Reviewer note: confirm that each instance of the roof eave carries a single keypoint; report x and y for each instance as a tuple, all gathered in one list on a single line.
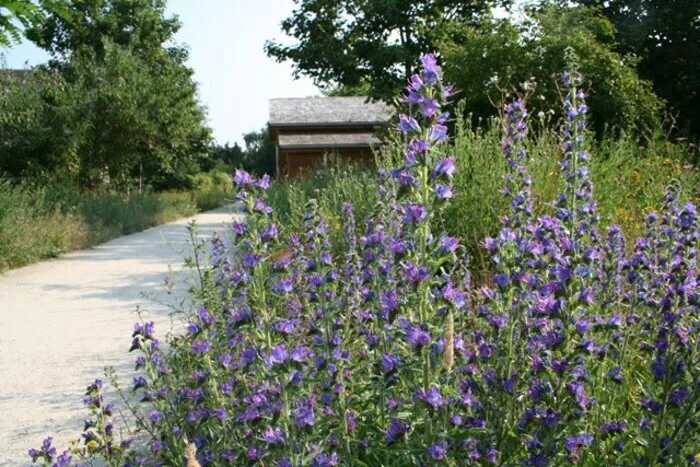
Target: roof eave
[(331, 146), (327, 124)]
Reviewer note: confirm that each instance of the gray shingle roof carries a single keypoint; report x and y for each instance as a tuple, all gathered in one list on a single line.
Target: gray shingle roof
[(328, 140), (327, 110)]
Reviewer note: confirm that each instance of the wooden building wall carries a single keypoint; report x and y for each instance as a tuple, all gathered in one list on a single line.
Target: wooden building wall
[(295, 162)]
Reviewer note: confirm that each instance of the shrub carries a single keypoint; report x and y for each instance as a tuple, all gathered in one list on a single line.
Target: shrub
[(43, 222), (575, 350)]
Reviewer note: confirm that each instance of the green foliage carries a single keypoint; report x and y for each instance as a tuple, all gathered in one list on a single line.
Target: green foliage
[(630, 181), (484, 60), (42, 221), (231, 156), (24, 12), (116, 107), (665, 35), (258, 155), (88, 26), (350, 42), (113, 121), (259, 152), (210, 189), (145, 121), (330, 187)]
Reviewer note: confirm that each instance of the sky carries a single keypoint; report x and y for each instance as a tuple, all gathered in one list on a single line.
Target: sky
[(236, 79)]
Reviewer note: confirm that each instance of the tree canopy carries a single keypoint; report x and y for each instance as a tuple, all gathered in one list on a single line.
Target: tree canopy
[(116, 104), (487, 60), (344, 43), (87, 26), (665, 37)]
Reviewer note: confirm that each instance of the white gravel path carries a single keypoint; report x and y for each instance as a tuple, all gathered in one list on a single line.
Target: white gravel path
[(62, 320)]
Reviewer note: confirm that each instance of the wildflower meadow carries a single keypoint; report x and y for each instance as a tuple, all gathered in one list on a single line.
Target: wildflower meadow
[(378, 349)]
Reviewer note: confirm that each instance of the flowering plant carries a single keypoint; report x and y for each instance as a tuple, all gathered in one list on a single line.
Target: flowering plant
[(577, 350)]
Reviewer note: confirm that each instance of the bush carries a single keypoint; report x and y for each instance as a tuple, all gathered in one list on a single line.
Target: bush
[(575, 350), (42, 222), (212, 189)]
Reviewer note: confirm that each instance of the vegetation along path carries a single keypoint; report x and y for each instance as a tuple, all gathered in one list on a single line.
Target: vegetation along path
[(64, 319)]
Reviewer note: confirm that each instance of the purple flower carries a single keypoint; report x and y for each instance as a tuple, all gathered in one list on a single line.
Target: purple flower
[(416, 337), (254, 453), (501, 280), (443, 191), (438, 133), (415, 273), (414, 213), (205, 317), (301, 353), (389, 362), (242, 178), (263, 182), (305, 416), (438, 451), (239, 228), (284, 285), (261, 206), (455, 296), (447, 244), (250, 260), (678, 396), (615, 374), (408, 124), (498, 321), (201, 346), (577, 389), (428, 107), (279, 355), (430, 72), (273, 435), (155, 416), (432, 397), (444, 167), (270, 232), (396, 429)]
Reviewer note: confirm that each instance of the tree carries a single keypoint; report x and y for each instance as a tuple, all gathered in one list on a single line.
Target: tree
[(484, 60), (127, 105), (349, 42), (23, 12), (232, 156), (259, 152), (665, 36), (145, 122), (87, 26)]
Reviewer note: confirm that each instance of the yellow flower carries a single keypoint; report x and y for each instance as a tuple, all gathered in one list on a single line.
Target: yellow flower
[(92, 445), (668, 162)]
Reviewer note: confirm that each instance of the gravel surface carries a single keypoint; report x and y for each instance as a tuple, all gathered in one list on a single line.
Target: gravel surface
[(63, 320)]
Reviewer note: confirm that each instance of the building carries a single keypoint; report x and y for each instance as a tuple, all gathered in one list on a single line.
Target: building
[(305, 130)]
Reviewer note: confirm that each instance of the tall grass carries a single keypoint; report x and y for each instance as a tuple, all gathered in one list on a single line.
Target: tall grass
[(42, 222), (630, 179)]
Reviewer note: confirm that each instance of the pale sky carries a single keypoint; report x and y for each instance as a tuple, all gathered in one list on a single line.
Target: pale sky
[(235, 77)]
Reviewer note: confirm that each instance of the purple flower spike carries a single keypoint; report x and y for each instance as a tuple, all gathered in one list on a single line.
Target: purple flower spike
[(430, 72)]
